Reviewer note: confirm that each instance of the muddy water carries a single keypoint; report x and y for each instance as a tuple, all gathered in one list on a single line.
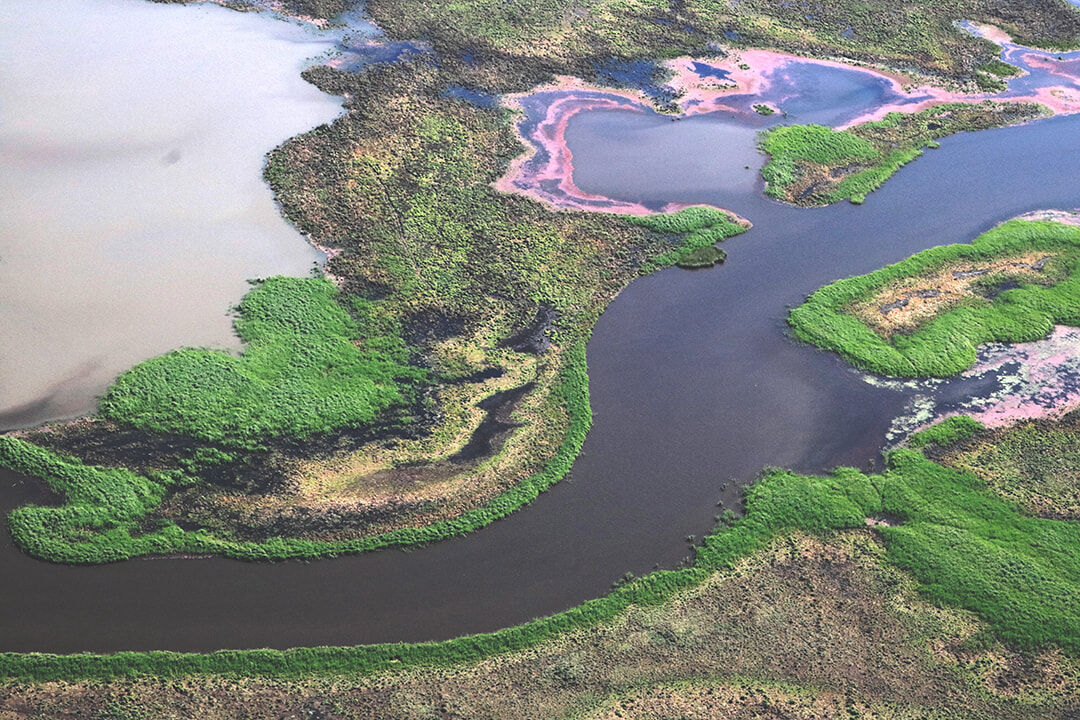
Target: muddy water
[(695, 387), (133, 212)]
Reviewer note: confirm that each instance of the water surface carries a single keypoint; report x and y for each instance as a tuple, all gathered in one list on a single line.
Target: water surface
[(132, 209)]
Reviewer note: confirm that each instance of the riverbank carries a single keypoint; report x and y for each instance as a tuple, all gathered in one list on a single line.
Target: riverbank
[(823, 550)]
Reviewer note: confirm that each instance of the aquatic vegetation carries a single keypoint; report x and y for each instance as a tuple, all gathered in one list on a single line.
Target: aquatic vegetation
[(704, 258), (816, 165), (1000, 68), (513, 46), (1035, 464), (268, 455), (791, 146), (698, 229), (109, 513), (945, 343)]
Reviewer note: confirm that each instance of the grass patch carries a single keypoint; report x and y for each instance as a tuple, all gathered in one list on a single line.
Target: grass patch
[(306, 368), (946, 344), (1000, 68), (1035, 464), (706, 257)]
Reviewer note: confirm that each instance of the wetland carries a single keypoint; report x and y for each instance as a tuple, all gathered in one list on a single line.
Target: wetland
[(694, 385)]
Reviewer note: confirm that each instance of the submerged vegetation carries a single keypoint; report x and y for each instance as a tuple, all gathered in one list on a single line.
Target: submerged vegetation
[(1012, 284), (809, 588), (816, 165)]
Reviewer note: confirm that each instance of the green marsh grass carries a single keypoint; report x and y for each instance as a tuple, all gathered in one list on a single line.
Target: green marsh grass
[(947, 344)]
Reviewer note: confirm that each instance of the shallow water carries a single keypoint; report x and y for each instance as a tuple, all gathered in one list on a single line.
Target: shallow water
[(133, 209), (695, 387)]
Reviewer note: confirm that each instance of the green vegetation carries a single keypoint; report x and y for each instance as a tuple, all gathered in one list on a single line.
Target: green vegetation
[(945, 342), (438, 274), (107, 510), (762, 109), (706, 257), (791, 147), (990, 76), (696, 230), (1001, 69), (946, 433), (816, 165), (512, 46), (301, 373), (966, 547), (1035, 464)]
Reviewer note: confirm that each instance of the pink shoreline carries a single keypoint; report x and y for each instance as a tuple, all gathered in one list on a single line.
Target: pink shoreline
[(1047, 386), (552, 182)]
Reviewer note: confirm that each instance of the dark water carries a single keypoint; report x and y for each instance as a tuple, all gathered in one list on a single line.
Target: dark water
[(695, 388)]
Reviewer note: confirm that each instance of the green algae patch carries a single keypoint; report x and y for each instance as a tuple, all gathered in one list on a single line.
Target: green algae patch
[(304, 370), (944, 340)]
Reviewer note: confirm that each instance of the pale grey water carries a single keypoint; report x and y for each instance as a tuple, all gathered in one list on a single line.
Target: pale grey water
[(132, 206)]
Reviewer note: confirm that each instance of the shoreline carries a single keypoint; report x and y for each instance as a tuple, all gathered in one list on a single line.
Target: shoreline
[(732, 83)]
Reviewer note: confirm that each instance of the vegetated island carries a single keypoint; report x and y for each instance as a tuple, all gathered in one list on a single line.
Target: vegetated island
[(926, 590), (814, 165), (926, 316)]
